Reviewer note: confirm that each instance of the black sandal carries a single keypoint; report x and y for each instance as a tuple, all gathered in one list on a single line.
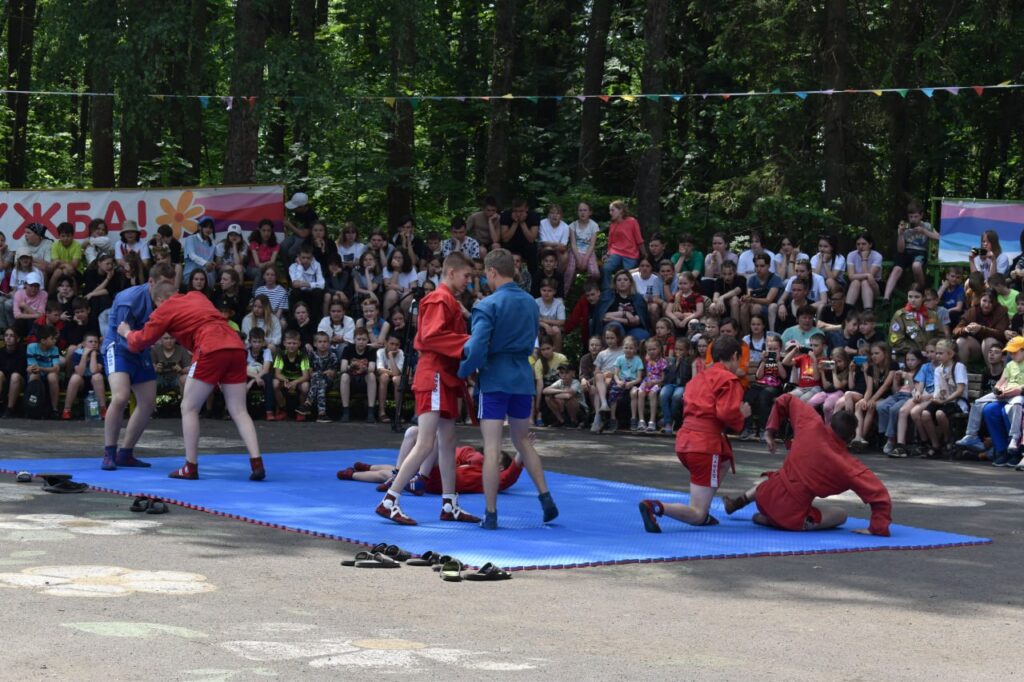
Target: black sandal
[(489, 572), (157, 507), (361, 556), (428, 558), (141, 504)]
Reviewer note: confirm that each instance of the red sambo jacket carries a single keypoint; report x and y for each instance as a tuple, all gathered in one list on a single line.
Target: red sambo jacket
[(440, 336), (710, 407)]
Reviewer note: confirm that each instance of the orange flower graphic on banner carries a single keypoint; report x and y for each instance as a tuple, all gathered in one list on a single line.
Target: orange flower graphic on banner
[(181, 218)]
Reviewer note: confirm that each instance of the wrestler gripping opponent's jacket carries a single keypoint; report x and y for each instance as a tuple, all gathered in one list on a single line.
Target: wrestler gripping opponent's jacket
[(711, 407), (818, 465), (440, 337)]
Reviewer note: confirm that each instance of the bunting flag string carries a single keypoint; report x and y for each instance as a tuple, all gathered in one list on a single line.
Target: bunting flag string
[(390, 100)]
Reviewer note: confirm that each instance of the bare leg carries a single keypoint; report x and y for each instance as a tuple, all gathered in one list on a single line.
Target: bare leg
[(696, 512), (196, 393), (425, 439), (120, 390), (234, 398), (145, 398), (492, 430), (446, 454)]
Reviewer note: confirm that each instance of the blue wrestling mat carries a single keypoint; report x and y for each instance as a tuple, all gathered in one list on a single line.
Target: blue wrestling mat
[(599, 522)]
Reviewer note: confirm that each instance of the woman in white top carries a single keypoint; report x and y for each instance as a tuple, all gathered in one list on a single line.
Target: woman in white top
[(399, 279), (785, 260), (130, 243), (232, 252), (582, 241), (349, 246), (864, 270), (262, 316), (989, 259), (745, 267), (554, 234), (828, 263)]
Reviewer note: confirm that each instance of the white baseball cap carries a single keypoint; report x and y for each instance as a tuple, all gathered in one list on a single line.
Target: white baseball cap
[(34, 278), (234, 228), (298, 199)]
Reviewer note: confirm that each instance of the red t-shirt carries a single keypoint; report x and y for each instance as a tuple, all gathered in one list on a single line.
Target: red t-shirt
[(624, 238), (805, 368), (687, 303)]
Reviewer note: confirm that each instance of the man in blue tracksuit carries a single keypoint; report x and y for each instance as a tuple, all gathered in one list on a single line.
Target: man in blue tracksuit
[(129, 372), (504, 329)]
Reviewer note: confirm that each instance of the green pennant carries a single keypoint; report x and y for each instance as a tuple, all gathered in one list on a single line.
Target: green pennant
[(652, 98), (776, 91), (532, 98), (414, 102), (902, 92)]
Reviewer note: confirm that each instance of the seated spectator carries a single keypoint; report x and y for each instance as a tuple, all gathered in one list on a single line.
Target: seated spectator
[(729, 289), (745, 267), (604, 375), (582, 245), (172, 364), (767, 386), (931, 302), (232, 254), (730, 327), (358, 367), (291, 374), (1004, 400), (43, 364), (307, 282), (29, 304), (405, 239), (625, 243), (647, 391), (24, 266), (584, 313), (262, 316), (199, 249), (548, 270), (13, 369), (230, 291), (323, 370), (74, 331), (339, 282), (817, 292), (804, 329), (867, 334), (948, 399), (276, 295), (67, 259), (902, 391), (828, 264), (848, 338), (756, 339), (688, 304), (323, 248), (981, 327), (994, 366), (1005, 296), (86, 369), (649, 286), (763, 288), (786, 311), (831, 318), (545, 373), (301, 321), (564, 398), (912, 237), (554, 235), (350, 249), (131, 243), (371, 321), (398, 326), (38, 245), (339, 327), (713, 262), (260, 370), (989, 258), (669, 285), (101, 285), (677, 375), (98, 242), (623, 307), (263, 250), (920, 398), (133, 270), (164, 239), (52, 318), (664, 333), (688, 258), (787, 257), (952, 293), (390, 361), (880, 373), (913, 325), (587, 368), (399, 279), (864, 272), (552, 313), (629, 372), (367, 281), (835, 379), (805, 361)]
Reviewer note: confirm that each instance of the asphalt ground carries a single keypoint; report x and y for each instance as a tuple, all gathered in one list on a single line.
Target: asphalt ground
[(102, 594)]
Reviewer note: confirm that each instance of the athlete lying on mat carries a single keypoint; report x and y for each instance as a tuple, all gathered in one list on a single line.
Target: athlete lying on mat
[(818, 465), (468, 469)]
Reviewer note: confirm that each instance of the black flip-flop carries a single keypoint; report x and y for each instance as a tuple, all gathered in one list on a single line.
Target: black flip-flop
[(397, 553), (451, 571), (66, 486), (361, 556), (51, 479), (157, 507), (141, 504), (379, 547), (489, 572), (378, 561), (442, 560), (426, 559)]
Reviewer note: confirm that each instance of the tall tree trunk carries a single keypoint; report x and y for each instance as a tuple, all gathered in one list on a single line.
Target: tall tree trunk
[(401, 157), (277, 112), (128, 160), (501, 83), (305, 24), (593, 75), (552, 58), (835, 59), (192, 138), (98, 73), (246, 81), (905, 22), (648, 177), (21, 25)]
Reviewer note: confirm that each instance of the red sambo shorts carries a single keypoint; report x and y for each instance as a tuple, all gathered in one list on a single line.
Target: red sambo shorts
[(704, 468), (443, 398), (781, 509), (220, 367)]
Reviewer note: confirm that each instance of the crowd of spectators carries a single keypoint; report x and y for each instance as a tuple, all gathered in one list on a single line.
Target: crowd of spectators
[(325, 311)]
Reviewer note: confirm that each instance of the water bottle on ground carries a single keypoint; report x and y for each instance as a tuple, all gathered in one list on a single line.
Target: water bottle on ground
[(92, 407)]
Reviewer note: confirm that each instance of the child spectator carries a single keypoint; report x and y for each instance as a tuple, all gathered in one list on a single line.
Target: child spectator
[(804, 361), (647, 391), (629, 372), (688, 258), (390, 361), (13, 369), (52, 318), (913, 325), (912, 237), (1006, 296), (564, 398), (902, 391), (263, 249), (277, 295), (172, 364), (952, 293), (548, 270), (664, 332), (584, 313), (323, 367), (587, 369), (756, 339), (648, 285), (920, 399), (1004, 398), (745, 266), (880, 372), (367, 280), (303, 324), (994, 367), (864, 272), (804, 330), (688, 304), (817, 290), (714, 261), (164, 238), (358, 367), (766, 388), (399, 279), (73, 333), (582, 243), (200, 249), (86, 367), (787, 311), (976, 286), (67, 259), (625, 243), (787, 257), (931, 302), (701, 344), (291, 375), (981, 327), (554, 234), (373, 324), (64, 294), (43, 360), (24, 267), (835, 379), (339, 282), (98, 242), (829, 264), (832, 316), (545, 372), (307, 282), (677, 375), (260, 370), (230, 291), (989, 259), (604, 376), (262, 317), (947, 398), (339, 327), (552, 312), (866, 332)]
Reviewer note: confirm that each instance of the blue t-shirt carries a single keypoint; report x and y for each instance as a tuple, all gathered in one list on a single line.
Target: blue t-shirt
[(43, 359), (926, 375), (629, 368), (951, 297), (76, 358), (758, 290)]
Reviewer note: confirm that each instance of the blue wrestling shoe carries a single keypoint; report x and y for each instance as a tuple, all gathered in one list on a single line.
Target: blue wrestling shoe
[(971, 443)]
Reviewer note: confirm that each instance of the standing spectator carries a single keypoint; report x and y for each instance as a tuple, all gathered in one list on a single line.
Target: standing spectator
[(263, 249), (485, 225), (587, 367), (358, 373), (625, 243), (981, 327), (460, 242), (988, 259), (390, 362), (629, 372), (307, 282), (520, 228), (200, 251), (912, 237), (582, 244), (13, 369), (745, 265), (350, 249), (829, 264), (554, 234)]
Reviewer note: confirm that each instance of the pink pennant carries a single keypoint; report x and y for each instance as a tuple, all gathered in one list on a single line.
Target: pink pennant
[(978, 89)]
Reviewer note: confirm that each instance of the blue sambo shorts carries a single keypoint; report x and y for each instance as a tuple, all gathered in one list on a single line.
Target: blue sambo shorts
[(138, 366), (498, 405)]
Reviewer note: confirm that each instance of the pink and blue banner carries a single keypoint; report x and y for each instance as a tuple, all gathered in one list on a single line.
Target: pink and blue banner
[(179, 207), (963, 222)]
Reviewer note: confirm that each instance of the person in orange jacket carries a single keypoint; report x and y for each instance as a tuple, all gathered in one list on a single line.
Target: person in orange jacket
[(714, 404)]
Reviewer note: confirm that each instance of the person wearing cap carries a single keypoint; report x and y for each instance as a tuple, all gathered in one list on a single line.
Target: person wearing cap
[(66, 256), (130, 242), (200, 251), (232, 252), (1001, 409), (29, 303), (299, 227), (38, 244)]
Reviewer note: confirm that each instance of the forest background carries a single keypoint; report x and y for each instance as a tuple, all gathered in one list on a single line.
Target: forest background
[(310, 82)]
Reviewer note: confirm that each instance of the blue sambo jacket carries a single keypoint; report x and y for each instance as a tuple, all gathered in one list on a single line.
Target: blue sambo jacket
[(504, 330)]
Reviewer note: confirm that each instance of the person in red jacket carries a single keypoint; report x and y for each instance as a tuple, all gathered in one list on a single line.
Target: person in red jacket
[(219, 358), (440, 336), (713, 405), (818, 465)]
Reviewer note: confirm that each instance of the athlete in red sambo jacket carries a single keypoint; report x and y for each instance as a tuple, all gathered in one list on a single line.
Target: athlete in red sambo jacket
[(818, 465), (713, 405), (218, 357), (440, 336)]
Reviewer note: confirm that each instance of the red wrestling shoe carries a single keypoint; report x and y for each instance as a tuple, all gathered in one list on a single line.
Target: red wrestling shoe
[(650, 510), (389, 509), (189, 472), (451, 511)]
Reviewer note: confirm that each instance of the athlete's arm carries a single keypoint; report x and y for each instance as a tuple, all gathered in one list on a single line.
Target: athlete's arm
[(479, 341), (434, 331), (873, 492)]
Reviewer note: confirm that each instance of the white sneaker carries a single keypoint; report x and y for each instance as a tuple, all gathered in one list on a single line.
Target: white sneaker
[(889, 447), (641, 425)]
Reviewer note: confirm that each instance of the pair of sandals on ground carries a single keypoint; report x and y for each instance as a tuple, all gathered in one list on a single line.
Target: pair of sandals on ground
[(383, 555)]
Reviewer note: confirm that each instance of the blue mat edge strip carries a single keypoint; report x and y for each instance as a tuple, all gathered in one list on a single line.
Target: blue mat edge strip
[(592, 564)]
